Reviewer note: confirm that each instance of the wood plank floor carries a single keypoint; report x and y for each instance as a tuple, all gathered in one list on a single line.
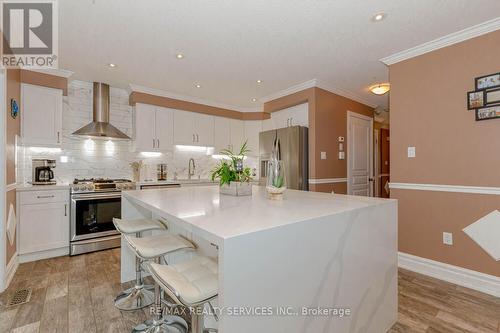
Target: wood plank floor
[(76, 295)]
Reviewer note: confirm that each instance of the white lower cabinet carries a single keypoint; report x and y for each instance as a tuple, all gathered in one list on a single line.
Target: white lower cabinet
[(44, 220)]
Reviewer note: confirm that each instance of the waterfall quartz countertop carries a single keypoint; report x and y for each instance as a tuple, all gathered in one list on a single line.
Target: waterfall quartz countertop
[(309, 251), (221, 217)]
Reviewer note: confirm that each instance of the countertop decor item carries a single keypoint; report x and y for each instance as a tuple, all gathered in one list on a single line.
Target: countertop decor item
[(276, 180), (234, 178), (136, 170)]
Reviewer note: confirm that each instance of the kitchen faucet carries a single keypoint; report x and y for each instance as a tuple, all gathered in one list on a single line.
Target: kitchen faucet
[(191, 172)]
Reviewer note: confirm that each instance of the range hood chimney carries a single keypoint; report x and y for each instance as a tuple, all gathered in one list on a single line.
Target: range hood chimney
[(100, 126)]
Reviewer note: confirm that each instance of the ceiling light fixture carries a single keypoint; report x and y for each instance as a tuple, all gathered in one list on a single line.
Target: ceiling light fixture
[(179, 56), (112, 65), (259, 81), (379, 17), (380, 89), (198, 85), (254, 99)]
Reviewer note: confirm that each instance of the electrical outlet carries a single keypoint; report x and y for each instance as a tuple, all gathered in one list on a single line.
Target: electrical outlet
[(412, 152), (447, 238), (323, 155)]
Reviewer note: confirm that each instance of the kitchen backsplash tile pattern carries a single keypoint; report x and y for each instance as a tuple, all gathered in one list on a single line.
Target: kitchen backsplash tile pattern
[(84, 158)]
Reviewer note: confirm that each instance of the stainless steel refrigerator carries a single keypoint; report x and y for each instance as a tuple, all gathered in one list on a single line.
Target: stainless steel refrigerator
[(292, 150)]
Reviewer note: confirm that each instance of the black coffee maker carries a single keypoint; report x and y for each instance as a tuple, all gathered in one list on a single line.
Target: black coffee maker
[(42, 172)]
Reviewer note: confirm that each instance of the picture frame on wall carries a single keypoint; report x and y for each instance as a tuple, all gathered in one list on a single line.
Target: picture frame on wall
[(492, 96), (488, 81), (475, 99), (488, 112)]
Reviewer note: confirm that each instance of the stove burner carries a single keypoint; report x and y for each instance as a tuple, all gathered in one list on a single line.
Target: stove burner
[(100, 181)]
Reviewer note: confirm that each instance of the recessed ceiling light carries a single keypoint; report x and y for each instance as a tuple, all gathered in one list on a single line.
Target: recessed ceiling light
[(198, 85), (259, 81), (254, 99), (380, 89), (379, 17), (112, 65), (179, 56)]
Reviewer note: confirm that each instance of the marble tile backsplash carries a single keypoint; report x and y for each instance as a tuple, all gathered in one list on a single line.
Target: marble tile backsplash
[(83, 158)]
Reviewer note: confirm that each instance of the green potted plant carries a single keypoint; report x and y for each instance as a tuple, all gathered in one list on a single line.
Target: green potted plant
[(234, 178)]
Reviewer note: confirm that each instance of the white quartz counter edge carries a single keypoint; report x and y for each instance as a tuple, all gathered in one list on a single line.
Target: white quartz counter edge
[(29, 187), (218, 239)]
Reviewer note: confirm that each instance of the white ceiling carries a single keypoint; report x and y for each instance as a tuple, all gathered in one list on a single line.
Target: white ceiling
[(229, 44)]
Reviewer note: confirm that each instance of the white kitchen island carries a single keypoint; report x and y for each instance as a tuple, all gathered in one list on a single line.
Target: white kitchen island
[(292, 266)]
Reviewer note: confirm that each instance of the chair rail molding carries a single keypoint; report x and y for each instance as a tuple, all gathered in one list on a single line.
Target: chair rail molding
[(446, 188), (485, 283), (327, 180)]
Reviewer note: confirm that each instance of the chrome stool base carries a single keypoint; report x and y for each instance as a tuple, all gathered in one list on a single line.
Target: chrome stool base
[(135, 298), (168, 324)]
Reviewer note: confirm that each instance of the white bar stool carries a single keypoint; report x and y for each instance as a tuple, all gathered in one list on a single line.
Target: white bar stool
[(141, 295), (191, 283)]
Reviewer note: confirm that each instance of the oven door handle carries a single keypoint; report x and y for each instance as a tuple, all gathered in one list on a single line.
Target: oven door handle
[(80, 197)]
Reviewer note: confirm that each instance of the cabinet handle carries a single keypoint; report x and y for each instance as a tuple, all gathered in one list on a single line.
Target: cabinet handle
[(288, 122), (65, 209), (291, 121), (215, 245), (197, 138), (154, 143), (157, 143), (58, 137), (45, 196), (193, 137)]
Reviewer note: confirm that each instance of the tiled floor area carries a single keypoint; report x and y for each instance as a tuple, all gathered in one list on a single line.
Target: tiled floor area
[(75, 295)]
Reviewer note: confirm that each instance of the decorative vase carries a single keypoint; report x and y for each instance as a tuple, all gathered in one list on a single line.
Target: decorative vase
[(237, 189), (136, 175), (276, 180)]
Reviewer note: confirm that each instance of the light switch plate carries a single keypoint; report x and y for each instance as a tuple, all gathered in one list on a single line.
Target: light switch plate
[(341, 155), (323, 155), (412, 152), (447, 238)]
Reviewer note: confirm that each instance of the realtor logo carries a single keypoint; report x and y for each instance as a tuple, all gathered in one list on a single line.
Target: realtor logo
[(29, 33)]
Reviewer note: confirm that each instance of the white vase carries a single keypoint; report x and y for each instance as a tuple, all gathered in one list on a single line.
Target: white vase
[(237, 189)]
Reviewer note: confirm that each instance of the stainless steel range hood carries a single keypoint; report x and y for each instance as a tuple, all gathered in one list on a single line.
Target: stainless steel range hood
[(100, 126)]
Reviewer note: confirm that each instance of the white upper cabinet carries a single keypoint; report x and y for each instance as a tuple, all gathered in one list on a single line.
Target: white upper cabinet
[(204, 130), (41, 115), (153, 128), (222, 134), (144, 127), (164, 129), (294, 116), (252, 132), (193, 129), (237, 134), (184, 129)]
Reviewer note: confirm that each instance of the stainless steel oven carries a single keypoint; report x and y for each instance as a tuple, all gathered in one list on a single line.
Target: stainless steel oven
[(92, 226), (94, 204)]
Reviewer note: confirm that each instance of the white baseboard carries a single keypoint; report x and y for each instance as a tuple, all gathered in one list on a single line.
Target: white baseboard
[(11, 269), (485, 283), (29, 257)]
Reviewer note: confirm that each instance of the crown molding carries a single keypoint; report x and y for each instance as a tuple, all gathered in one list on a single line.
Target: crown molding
[(318, 84), (163, 93), (454, 38), (288, 91), (344, 93), (50, 71)]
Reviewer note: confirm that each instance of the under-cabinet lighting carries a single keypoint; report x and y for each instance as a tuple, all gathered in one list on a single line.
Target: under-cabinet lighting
[(150, 154), (199, 149), (40, 150), (225, 157)]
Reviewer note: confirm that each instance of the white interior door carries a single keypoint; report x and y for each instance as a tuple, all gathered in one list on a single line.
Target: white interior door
[(359, 154)]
